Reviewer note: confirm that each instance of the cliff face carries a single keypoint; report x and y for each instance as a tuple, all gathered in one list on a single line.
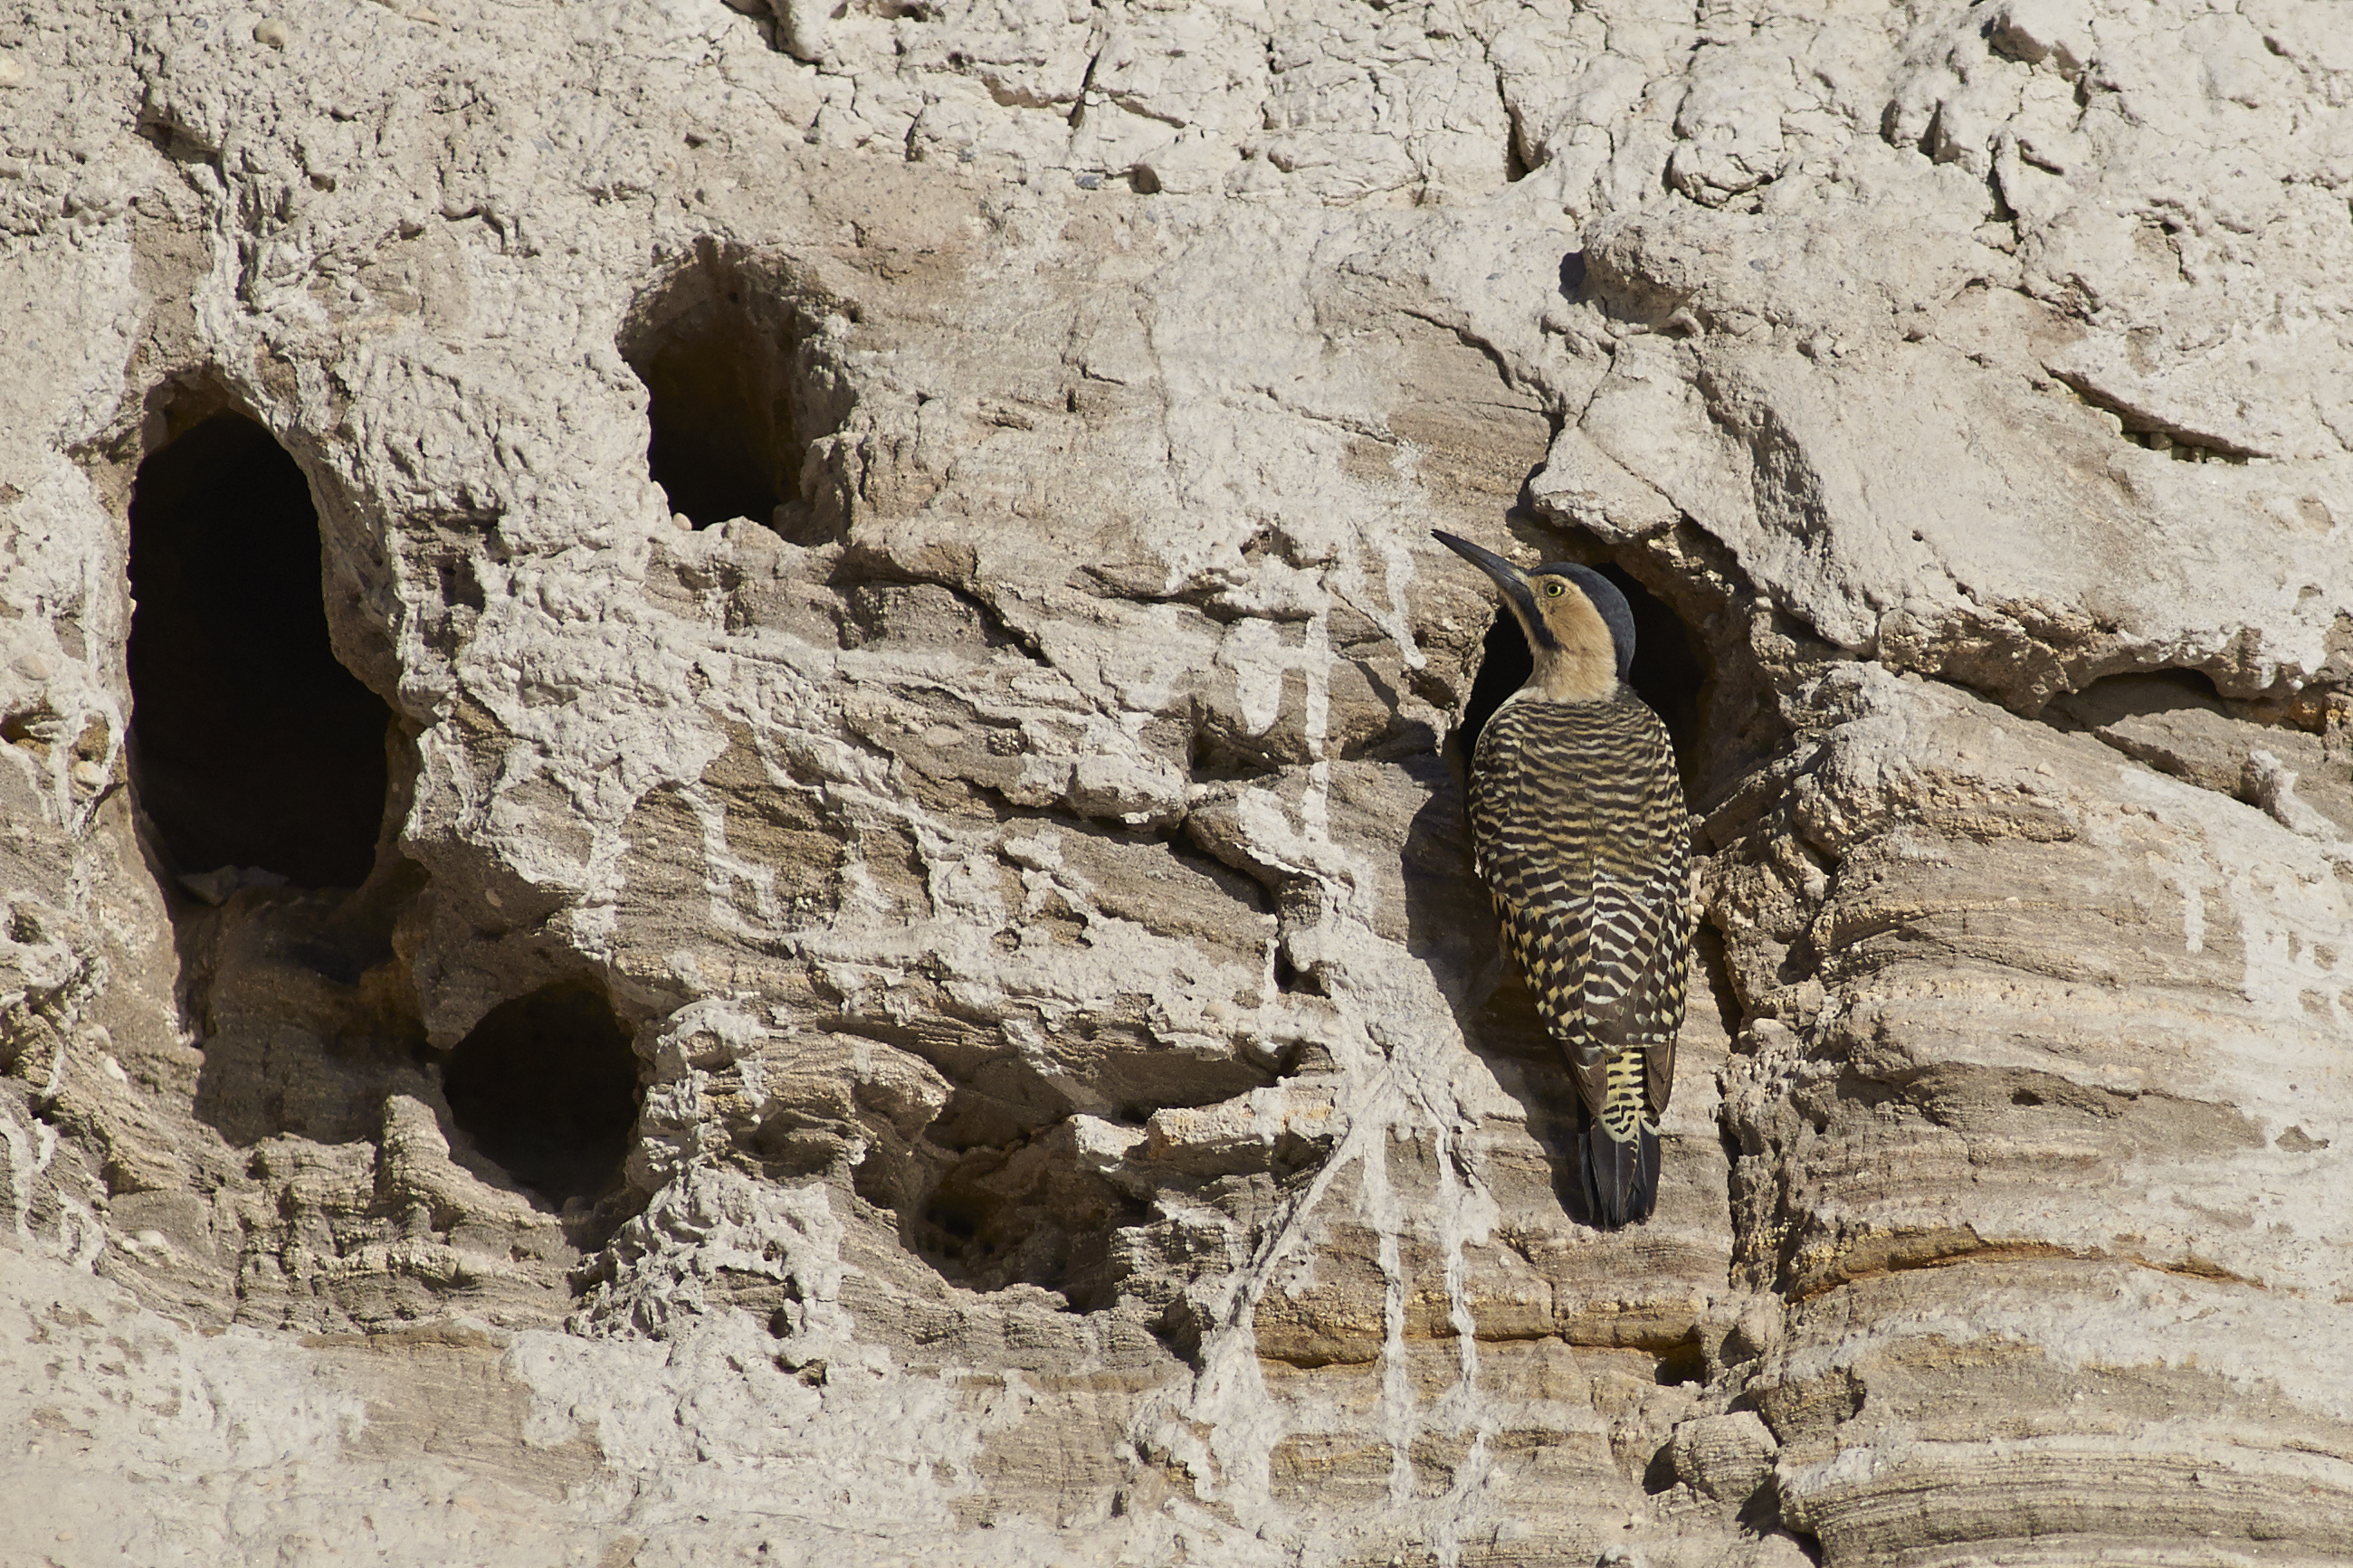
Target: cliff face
[(914, 988)]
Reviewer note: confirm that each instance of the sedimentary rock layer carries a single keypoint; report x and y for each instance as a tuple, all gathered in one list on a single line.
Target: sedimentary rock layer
[(905, 981)]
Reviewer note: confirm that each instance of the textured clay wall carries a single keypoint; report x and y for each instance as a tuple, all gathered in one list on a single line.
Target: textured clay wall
[(774, 871)]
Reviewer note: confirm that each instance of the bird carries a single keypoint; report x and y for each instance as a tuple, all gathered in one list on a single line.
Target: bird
[(1580, 829)]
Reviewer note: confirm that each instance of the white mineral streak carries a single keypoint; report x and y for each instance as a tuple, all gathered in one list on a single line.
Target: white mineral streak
[(1083, 1117)]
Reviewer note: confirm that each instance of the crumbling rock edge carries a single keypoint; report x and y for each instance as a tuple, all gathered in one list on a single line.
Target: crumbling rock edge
[(1077, 1112)]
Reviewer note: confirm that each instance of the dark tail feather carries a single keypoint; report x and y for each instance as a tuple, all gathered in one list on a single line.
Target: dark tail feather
[(1621, 1180)]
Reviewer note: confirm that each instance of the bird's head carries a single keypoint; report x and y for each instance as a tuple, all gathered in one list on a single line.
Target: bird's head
[(1578, 625)]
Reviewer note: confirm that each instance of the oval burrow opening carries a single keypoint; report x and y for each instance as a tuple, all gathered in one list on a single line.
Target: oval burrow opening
[(743, 390), (547, 1086), (1671, 672), (254, 756), (1002, 1189)]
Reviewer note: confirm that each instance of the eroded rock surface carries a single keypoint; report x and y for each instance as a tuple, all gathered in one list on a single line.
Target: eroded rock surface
[(916, 990)]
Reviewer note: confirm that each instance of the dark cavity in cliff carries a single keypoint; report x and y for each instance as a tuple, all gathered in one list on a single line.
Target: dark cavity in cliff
[(250, 745), (741, 385), (547, 1086), (1669, 671)]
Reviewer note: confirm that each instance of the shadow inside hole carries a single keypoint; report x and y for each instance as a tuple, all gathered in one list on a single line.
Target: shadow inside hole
[(1504, 666), (1026, 1215), (2113, 699), (719, 440), (251, 744), (546, 1085), (1668, 672), (1025, 1211), (1006, 1187), (738, 389)]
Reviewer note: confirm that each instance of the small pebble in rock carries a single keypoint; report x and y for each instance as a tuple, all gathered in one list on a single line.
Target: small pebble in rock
[(12, 71), (1090, 181), (88, 775), (679, 521), (272, 31)]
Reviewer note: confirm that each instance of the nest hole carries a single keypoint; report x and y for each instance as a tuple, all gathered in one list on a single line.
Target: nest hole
[(1004, 1216), (546, 1085), (1670, 671), (743, 390), (251, 744), (991, 1196)]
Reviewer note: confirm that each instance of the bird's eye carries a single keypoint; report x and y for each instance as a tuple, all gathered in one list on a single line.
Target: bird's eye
[(1555, 590)]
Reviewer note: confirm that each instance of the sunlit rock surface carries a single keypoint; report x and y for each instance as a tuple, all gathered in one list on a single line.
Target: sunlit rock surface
[(914, 991)]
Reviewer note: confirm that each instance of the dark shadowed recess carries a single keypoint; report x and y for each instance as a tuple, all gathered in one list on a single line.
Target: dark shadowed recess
[(547, 1086), (1667, 674), (719, 437), (250, 745), (1002, 1216), (2118, 696), (737, 388)]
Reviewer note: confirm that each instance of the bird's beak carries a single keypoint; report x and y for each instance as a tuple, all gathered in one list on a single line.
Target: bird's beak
[(1508, 577)]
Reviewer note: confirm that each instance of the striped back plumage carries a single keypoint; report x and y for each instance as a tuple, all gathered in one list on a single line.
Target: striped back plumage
[(1578, 823)]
